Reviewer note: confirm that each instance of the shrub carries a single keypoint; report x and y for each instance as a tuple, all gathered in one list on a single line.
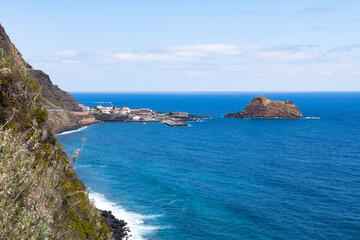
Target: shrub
[(41, 196), (41, 115)]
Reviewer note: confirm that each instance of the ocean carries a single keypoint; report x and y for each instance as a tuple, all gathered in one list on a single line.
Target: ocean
[(226, 178)]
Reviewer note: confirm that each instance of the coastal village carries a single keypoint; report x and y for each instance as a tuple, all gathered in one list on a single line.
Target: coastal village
[(116, 110), (126, 114)]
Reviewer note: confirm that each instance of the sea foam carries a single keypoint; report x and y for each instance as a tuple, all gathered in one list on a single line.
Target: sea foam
[(135, 221), (312, 118), (72, 131)]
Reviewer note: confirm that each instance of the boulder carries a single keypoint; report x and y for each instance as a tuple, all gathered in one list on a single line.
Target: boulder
[(5, 72), (173, 123)]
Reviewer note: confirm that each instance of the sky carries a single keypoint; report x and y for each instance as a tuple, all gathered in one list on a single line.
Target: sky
[(190, 45)]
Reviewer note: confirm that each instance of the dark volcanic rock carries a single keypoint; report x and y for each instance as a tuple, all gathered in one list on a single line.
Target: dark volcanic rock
[(111, 117), (238, 114), (261, 107), (116, 226)]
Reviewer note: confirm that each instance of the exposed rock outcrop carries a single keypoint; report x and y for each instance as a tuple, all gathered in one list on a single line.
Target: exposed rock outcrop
[(52, 95), (5, 72), (174, 123), (172, 119), (262, 107), (116, 226)]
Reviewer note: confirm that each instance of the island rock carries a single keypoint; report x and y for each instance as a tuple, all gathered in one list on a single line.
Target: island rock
[(262, 107)]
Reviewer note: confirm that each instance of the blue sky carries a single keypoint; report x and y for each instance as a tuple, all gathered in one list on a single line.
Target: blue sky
[(257, 45)]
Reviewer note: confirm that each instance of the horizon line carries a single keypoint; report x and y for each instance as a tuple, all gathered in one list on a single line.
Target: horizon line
[(192, 92)]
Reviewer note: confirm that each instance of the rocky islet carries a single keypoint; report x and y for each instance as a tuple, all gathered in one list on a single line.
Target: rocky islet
[(262, 107)]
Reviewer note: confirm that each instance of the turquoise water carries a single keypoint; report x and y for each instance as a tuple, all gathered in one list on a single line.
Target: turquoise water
[(227, 178)]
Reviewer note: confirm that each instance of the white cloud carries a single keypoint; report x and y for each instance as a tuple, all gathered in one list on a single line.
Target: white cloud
[(191, 53), (287, 56), (205, 67), (67, 53), (346, 48), (206, 49), (178, 53)]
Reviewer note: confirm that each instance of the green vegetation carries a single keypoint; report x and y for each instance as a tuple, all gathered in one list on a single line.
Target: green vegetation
[(41, 115), (41, 196)]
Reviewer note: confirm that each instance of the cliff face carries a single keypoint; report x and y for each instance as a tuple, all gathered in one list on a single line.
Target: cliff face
[(41, 196), (262, 107), (52, 95)]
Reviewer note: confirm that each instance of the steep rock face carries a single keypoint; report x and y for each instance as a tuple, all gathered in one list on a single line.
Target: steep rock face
[(262, 107), (52, 94)]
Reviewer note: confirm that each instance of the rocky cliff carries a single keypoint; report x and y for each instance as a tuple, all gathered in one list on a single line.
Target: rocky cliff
[(262, 107), (53, 96), (41, 196)]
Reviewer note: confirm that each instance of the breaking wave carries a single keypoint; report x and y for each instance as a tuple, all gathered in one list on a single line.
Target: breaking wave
[(72, 131), (135, 221)]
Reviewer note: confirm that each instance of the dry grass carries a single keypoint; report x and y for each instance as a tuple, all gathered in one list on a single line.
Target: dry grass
[(41, 196)]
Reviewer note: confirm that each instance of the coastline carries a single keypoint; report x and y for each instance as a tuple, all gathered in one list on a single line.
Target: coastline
[(134, 228), (118, 227), (170, 123), (75, 128), (123, 224), (71, 131)]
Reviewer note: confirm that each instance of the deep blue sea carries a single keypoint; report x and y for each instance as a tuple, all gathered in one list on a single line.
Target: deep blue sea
[(227, 178)]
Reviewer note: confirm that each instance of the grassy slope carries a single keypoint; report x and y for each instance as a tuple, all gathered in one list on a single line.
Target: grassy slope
[(41, 196)]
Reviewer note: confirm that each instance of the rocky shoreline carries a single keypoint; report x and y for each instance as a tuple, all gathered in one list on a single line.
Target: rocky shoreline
[(172, 120), (173, 123), (64, 123), (73, 128), (116, 226), (168, 122)]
